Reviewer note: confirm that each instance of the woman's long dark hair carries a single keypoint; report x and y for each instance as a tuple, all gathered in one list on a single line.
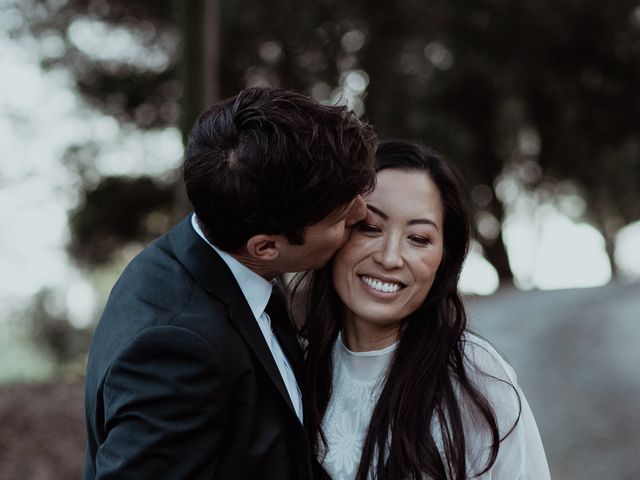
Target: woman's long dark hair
[(428, 366)]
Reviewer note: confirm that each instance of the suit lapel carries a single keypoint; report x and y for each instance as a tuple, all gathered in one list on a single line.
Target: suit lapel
[(213, 274)]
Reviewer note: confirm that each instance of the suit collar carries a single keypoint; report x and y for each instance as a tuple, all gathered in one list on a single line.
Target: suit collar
[(213, 274), (255, 288), (204, 265)]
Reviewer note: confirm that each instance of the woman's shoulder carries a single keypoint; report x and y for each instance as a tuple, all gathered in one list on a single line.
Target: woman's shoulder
[(492, 377), (521, 454), (482, 357)]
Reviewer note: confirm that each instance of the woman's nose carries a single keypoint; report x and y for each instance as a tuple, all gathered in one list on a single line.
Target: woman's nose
[(389, 255)]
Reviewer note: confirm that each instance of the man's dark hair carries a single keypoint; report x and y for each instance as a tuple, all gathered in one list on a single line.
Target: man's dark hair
[(273, 161)]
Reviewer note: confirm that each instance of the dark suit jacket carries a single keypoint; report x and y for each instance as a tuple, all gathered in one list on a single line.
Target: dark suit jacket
[(180, 382)]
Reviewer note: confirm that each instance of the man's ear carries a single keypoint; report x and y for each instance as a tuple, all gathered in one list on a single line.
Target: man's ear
[(264, 248)]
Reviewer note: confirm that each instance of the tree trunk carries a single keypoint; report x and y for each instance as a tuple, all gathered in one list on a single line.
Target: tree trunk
[(199, 57), (495, 250), (609, 231), (610, 247), (496, 254)]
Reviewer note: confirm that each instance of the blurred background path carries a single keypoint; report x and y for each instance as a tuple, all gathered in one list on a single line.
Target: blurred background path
[(577, 356)]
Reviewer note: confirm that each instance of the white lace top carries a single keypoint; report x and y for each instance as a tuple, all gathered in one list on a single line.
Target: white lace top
[(357, 379)]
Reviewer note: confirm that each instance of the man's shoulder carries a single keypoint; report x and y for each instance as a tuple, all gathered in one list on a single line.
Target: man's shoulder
[(157, 276), (156, 306), (155, 289)]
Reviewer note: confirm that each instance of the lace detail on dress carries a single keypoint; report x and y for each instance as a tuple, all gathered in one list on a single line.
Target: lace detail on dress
[(357, 379)]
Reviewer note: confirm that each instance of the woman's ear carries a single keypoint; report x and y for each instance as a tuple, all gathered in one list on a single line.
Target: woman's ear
[(264, 248)]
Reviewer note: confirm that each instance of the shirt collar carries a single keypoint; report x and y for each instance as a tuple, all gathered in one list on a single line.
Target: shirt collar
[(256, 289)]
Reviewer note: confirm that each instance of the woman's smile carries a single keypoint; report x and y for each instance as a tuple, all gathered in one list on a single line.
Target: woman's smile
[(380, 285)]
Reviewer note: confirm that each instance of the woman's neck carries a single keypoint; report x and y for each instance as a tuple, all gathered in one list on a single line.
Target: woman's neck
[(359, 336)]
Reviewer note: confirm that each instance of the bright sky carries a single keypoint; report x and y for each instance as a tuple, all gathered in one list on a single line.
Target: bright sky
[(40, 117)]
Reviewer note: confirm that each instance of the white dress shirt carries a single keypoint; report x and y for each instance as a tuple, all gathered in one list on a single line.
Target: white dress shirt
[(257, 291)]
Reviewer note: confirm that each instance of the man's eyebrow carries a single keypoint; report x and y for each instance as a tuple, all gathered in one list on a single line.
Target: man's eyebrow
[(415, 221)]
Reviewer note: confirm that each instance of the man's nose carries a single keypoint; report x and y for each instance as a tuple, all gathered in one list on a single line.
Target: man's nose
[(357, 213)]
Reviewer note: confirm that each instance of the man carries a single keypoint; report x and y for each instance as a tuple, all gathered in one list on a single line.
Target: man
[(194, 373)]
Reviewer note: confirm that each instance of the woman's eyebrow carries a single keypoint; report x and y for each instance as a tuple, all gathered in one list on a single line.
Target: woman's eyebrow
[(416, 221), (378, 212), (423, 221)]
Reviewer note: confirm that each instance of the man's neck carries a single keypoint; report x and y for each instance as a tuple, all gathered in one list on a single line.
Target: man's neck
[(257, 267), (243, 257)]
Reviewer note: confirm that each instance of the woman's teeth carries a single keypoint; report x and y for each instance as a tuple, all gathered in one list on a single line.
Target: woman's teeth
[(386, 287)]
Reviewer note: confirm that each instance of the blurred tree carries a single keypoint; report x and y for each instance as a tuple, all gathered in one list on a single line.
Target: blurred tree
[(51, 329), (121, 54), (582, 99), (543, 92), (118, 211)]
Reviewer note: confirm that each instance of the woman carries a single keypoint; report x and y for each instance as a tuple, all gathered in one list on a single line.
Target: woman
[(397, 387)]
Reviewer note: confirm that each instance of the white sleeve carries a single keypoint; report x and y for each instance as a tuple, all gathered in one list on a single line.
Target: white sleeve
[(521, 454)]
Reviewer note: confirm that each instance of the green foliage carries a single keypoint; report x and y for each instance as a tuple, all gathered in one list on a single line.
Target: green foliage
[(49, 328), (496, 85), (119, 211), (135, 89)]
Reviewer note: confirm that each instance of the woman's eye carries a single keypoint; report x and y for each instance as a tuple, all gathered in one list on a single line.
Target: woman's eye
[(367, 228), (420, 240)]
